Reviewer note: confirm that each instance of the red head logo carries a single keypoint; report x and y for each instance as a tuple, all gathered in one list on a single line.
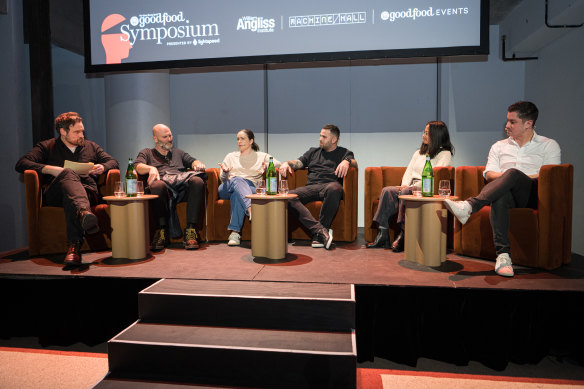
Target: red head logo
[(116, 46)]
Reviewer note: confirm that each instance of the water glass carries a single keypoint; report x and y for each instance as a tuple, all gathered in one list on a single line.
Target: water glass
[(139, 188), (261, 187), (417, 191), (444, 188), (283, 189), (119, 190)]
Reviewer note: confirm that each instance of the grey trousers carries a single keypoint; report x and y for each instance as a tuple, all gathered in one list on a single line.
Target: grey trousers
[(389, 204)]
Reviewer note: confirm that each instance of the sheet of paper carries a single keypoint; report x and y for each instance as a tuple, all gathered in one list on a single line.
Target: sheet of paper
[(79, 167)]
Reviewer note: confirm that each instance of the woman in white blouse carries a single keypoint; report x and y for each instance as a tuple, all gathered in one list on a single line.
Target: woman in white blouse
[(436, 143), (240, 173)]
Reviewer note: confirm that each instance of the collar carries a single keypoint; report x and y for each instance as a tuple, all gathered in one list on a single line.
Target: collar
[(167, 157)]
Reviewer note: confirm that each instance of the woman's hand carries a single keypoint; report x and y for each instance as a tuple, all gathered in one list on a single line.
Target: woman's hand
[(224, 168)]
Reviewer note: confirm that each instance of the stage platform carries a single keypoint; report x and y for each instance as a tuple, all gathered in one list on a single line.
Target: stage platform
[(455, 313), (349, 263)]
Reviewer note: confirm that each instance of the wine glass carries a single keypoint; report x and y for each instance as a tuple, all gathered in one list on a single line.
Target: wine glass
[(444, 188)]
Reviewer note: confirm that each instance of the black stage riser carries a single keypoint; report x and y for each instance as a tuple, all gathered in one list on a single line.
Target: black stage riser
[(228, 366), (250, 305), (250, 334)]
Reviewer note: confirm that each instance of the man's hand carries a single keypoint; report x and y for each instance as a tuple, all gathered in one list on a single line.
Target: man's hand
[(97, 169), (285, 169), (343, 168), (198, 165), (153, 175)]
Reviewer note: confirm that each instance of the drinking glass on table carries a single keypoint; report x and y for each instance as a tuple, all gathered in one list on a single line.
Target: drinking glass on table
[(261, 188), (283, 187), (417, 190), (139, 188), (444, 188), (119, 190)]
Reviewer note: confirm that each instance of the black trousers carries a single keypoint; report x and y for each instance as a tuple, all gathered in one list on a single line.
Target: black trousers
[(389, 204), (194, 195), (514, 189), (68, 191), (329, 193)]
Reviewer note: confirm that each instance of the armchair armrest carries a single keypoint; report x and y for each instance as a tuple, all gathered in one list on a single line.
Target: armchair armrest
[(554, 205), (112, 176)]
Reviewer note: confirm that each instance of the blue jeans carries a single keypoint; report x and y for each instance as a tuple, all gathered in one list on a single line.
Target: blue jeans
[(235, 190)]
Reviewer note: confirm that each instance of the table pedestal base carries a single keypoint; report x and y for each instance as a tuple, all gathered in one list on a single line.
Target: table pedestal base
[(130, 235), (269, 228), (425, 236)]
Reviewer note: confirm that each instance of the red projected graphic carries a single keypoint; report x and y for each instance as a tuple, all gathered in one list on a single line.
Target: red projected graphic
[(116, 46)]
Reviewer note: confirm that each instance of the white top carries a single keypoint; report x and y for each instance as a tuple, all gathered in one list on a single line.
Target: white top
[(248, 166), (529, 158), (414, 170)]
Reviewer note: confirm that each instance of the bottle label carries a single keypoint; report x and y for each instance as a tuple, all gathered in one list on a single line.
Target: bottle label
[(272, 185), (427, 186), (130, 186)]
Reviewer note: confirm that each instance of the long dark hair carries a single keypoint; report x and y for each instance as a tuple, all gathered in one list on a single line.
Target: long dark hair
[(439, 139), (251, 136)]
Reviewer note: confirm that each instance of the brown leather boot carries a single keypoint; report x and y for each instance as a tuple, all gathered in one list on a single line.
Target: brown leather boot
[(73, 256), (191, 239)]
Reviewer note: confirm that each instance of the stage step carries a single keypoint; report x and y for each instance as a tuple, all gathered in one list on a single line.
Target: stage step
[(234, 356), (278, 305), (238, 334), (121, 383)]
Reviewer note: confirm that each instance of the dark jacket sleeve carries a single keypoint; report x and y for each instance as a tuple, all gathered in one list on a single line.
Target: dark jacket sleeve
[(105, 159), (187, 160), (35, 159)]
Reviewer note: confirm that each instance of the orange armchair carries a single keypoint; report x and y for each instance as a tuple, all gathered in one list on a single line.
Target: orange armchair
[(539, 237), (47, 232), (376, 178), (345, 222)]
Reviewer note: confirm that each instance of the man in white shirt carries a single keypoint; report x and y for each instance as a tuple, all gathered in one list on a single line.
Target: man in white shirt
[(511, 172)]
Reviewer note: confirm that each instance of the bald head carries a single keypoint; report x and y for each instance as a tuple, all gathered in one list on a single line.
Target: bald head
[(162, 137)]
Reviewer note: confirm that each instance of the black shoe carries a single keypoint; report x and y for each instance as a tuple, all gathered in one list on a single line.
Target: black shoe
[(325, 237), (159, 241), (381, 240), (398, 244), (88, 221), (73, 256)]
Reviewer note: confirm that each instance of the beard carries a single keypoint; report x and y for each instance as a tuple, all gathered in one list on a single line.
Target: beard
[(165, 146), (78, 142)]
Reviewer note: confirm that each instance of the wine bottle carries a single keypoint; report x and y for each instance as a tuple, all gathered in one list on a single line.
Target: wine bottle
[(130, 180), (271, 179), (427, 179)]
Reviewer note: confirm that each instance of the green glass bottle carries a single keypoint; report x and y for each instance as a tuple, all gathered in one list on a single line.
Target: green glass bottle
[(428, 179), (131, 180), (271, 179)]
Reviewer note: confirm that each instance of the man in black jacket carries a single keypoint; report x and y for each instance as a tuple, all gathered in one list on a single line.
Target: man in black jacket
[(75, 192)]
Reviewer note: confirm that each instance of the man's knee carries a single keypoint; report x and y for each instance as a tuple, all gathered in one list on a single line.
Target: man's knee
[(196, 184), (333, 190)]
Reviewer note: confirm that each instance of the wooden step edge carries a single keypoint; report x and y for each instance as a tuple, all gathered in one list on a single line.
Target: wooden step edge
[(353, 353), (147, 291)]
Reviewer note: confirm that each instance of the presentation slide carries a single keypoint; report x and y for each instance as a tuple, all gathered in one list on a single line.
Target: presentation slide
[(156, 33)]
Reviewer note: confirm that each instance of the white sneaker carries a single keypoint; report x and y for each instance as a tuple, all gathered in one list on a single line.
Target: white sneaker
[(503, 266), (234, 239), (460, 209)]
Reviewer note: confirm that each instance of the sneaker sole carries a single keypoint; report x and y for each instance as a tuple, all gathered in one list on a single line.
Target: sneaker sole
[(329, 241), (90, 224)]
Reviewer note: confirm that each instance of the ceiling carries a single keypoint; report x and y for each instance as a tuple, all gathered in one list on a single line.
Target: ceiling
[(67, 20)]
